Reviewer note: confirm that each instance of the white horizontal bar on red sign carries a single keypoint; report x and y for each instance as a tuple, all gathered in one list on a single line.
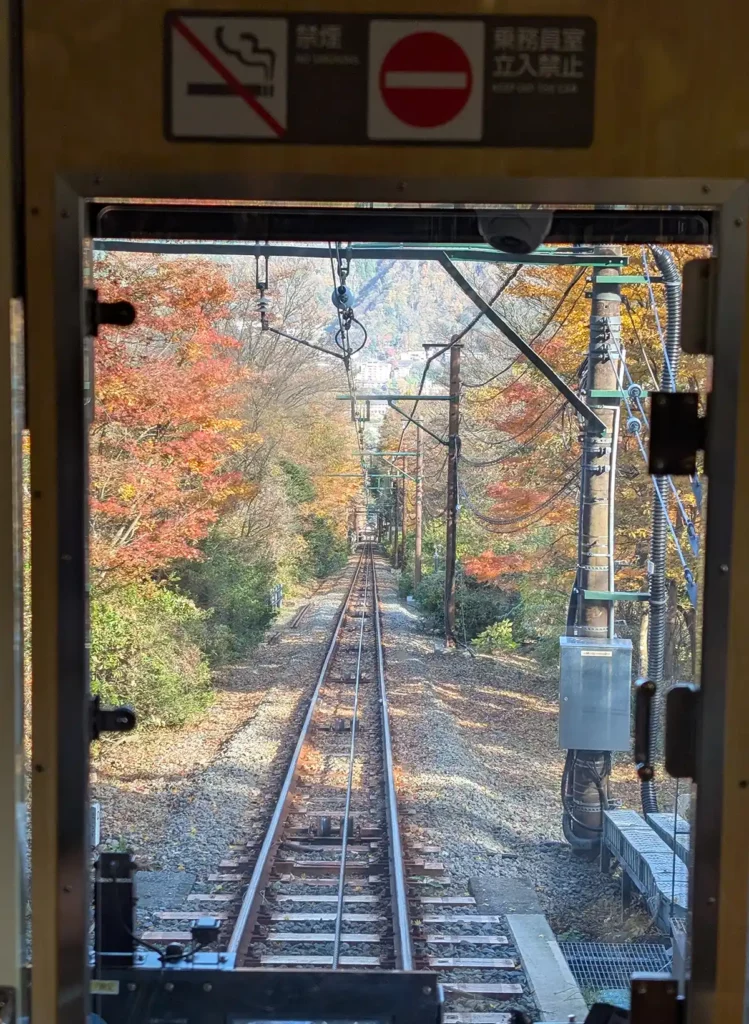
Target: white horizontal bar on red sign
[(426, 80)]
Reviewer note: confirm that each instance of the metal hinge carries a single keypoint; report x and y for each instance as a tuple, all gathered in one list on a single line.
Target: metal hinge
[(119, 314), (699, 290), (677, 433), (645, 691), (682, 713), (120, 719)]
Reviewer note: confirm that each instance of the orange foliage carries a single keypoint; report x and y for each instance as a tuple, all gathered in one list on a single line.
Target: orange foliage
[(167, 426)]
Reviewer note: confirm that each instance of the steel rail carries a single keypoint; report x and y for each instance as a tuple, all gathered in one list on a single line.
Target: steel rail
[(349, 787), (401, 917), (241, 936)]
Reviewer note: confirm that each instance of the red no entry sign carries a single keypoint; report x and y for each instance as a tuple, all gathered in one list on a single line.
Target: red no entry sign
[(426, 79)]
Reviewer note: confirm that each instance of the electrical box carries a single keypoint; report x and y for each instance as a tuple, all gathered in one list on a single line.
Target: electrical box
[(595, 681)]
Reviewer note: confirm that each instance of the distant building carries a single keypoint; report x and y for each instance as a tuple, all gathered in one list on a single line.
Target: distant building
[(372, 371)]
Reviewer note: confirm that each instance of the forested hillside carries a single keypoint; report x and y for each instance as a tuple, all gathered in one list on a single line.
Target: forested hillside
[(214, 446), (209, 454), (520, 464)]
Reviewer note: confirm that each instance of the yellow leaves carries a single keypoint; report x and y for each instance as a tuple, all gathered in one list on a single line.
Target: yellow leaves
[(225, 426), (128, 492)]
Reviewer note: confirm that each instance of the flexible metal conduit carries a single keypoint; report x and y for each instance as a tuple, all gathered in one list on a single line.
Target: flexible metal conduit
[(241, 936), (401, 919), (657, 614)]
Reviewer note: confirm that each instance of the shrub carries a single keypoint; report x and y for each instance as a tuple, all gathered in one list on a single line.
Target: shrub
[(406, 581), (541, 618), (233, 589), (144, 652), (430, 594), (497, 637), (477, 606), (325, 551)]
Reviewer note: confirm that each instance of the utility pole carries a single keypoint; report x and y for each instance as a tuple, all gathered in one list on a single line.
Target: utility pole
[(451, 516), (419, 504), (402, 560), (594, 618), (396, 513)]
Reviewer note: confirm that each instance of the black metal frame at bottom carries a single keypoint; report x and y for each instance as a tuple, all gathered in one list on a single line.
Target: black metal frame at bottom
[(214, 996)]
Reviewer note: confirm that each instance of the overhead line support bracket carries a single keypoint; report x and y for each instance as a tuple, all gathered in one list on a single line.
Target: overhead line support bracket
[(531, 355), (410, 419)]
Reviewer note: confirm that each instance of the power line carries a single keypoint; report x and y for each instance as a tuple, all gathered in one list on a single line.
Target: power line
[(694, 540), (482, 464), (514, 520), (575, 278), (453, 341), (689, 581)]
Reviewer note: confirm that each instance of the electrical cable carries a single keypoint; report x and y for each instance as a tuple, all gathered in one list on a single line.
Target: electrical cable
[(691, 587), (496, 521), (535, 337), (651, 371), (569, 815), (654, 307), (453, 341), (660, 518), (503, 286), (693, 479), (523, 446)]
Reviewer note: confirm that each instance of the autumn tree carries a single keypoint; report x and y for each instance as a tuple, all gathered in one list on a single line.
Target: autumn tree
[(167, 435), (521, 453)]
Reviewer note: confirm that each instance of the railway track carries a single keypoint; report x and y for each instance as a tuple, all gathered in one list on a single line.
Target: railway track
[(329, 885)]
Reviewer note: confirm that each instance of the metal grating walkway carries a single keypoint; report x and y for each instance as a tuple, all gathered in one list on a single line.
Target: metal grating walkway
[(659, 874), (609, 965)]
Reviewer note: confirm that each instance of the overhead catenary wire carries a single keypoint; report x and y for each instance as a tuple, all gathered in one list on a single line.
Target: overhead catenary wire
[(518, 449), (688, 575), (575, 278), (453, 341), (346, 350), (635, 396), (543, 506)]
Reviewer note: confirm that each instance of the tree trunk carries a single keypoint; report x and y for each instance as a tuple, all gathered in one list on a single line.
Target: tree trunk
[(672, 632)]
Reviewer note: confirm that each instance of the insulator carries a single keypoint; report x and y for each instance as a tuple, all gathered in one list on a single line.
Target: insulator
[(691, 588), (263, 304), (634, 426), (342, 297), (634, 391), (697, 490), (694, 540)]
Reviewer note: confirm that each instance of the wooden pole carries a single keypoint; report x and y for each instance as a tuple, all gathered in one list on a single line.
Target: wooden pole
[(595, 571), (452, 495), (419, 504), (404, 514)]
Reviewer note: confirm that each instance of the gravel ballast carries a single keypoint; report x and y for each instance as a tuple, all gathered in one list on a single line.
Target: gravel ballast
[(178, 799), (479, 769)]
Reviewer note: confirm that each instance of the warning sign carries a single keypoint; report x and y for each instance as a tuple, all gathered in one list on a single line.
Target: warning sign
[(426, 80), (357, 79), (228, 77)]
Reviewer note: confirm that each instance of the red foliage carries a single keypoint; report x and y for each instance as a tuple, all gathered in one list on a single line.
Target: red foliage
[(167, 428), (488, 567)]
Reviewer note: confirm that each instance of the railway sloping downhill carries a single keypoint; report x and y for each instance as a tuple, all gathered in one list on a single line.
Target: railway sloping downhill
[(329, 885)]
